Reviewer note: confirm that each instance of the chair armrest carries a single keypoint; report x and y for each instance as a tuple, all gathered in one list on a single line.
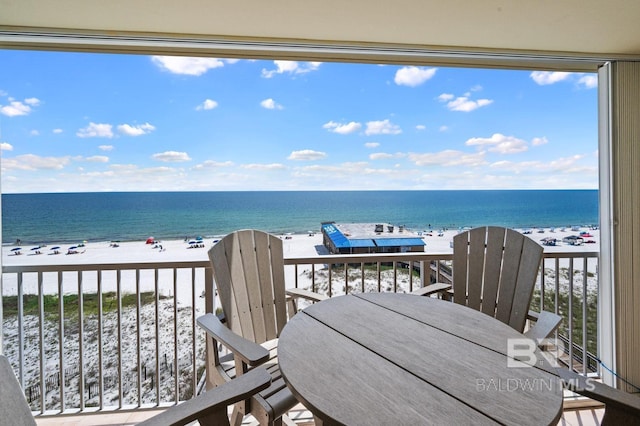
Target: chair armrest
[(249, 352), (620, 407), (546, 323), (305, 294), (215, 401), (431, 288), (13, 404)]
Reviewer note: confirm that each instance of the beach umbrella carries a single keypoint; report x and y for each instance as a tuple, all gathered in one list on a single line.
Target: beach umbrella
[(193, 242), (35, 248), (55, 248), (150, 240), (73, 247), (16, 249)]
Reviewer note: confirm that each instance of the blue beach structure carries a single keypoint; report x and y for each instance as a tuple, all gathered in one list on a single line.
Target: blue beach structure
[(360, 238)]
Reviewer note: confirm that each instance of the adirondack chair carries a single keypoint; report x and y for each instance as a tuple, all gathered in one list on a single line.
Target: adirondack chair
[(494, 271), (621, 408), (248, 270), (209, 408)]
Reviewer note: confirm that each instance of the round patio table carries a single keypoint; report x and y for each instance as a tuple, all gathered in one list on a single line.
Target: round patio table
[(384, 358)]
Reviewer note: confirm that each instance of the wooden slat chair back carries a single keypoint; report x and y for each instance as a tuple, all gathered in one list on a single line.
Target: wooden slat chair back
[(494, 271), (248, 270)]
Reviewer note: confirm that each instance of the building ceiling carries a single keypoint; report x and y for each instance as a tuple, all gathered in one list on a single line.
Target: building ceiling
[(564, 28)]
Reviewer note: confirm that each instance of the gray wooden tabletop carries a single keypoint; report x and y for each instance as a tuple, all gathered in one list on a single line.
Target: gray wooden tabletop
[(384, 358)]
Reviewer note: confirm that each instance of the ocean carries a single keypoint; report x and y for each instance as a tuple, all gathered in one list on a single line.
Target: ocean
[(130, 216)]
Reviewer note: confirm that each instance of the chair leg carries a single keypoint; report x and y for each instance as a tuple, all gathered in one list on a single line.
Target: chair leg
[(237, 416)]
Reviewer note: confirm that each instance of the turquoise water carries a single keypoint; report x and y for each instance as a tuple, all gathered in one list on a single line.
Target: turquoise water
[(71, 217)]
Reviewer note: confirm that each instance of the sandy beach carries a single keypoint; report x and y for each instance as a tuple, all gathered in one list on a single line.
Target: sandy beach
[(294, 245)]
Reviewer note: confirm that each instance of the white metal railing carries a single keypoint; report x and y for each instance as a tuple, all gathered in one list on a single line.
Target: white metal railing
[(103, 336), (567, 285), (88, 337)]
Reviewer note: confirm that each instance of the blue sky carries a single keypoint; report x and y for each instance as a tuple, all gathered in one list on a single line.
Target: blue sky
[(75, 122)]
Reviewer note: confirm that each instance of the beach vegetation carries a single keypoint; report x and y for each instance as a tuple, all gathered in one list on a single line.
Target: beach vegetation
[(51, 302), (572, 326)]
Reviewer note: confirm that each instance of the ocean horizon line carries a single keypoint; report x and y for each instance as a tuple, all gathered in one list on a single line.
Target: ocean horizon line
[(133, 216)]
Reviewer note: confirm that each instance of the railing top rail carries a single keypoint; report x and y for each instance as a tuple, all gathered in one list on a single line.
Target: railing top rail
[(368, 258), (317, 259), (414, 256), (123, 266)]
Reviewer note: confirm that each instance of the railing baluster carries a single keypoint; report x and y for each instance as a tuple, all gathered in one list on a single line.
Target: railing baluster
[(43, 387), (138, 338), (81, 340), (61, 339), (585, 307), (157, 335), (346, 278), (120, 346), (395, 277), (175, 336), (570, 313), (100, 342), (21, 328), (194, 373)]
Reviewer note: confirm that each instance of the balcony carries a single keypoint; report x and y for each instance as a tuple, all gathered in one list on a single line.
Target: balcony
[(121, 339)]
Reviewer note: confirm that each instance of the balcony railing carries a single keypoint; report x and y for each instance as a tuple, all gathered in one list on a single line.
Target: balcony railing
[(86, 338)]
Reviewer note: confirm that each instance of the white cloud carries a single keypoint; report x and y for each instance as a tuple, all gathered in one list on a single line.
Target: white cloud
[(539, 141), (563, 165), (371, 144), (413, 76), (448, 158), (443, 128), (105, 147), (211, 164), (57, 131), (421, 127), (270, 104), (34, 133), (544, 78), (18, 108), (307, 155), (385, 155), (171, 157), (500, 143), (95, 130), (445, 97), (97, 159), (463, 103), (137, 130), (382, 127), (187, 65), (588, 81), (291, 67), (207, 105), (343, 129), (6, 146), (272, 166), (35, 162)]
